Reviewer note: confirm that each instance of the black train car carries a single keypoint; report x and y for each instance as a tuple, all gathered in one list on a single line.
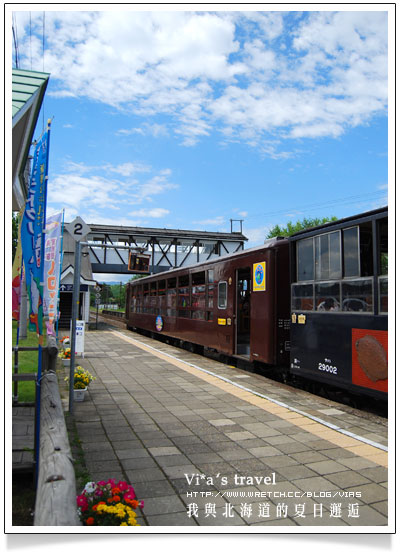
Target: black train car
[(339, 303)]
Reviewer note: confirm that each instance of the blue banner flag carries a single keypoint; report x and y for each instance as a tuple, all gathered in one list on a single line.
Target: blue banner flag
[(32, 233)]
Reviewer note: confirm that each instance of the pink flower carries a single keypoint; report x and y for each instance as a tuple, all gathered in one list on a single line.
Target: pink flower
[(131, 492), (122, 486), (81, 501)]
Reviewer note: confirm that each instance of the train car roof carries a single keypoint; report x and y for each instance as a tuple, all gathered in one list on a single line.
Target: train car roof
[(270, 242), (337, 223)]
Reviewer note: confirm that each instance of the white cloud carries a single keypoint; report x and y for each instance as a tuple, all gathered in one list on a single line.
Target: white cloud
[(75, 190), (216, 221), (147, 190), (128, 168), (152, 213), (86, 190), (256, 236), (253, 76), (155, 130)]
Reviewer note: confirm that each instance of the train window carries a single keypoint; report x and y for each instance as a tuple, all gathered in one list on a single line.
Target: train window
[(366, 250), (146, 298), (383, 265), (153, 299), (198, 295), (327, 256), (135, 299), (210, 295), (383, 295), (302, 297), (383, 246), (198, 278), (222, 295), (199, 298), (183, 296), (357, 295), (161, 287), (341, 277), (171, 297), (305, 259), (351, 250), (210, 273), (327, 296), (139, 299), (198, 314)]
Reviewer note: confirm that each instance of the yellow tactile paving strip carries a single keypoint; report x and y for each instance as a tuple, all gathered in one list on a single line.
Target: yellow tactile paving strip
[(373, 454)]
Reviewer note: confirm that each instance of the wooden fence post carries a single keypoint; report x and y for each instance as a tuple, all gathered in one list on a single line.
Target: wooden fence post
[(56, 487)]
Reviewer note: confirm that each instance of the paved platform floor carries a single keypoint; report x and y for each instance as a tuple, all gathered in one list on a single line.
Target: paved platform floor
[(228, 447), (23, 430)]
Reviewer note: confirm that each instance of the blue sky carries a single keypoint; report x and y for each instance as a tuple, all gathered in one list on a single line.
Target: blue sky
[(187, 119)]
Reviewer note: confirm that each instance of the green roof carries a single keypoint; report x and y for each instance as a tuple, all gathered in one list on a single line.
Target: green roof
[(25, 84), (28, 89)]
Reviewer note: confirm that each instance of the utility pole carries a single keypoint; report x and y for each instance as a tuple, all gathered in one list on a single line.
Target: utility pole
[(78, 230), (75, 315)]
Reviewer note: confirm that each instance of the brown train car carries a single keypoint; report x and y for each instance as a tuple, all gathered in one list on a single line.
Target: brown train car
[(238, 304)]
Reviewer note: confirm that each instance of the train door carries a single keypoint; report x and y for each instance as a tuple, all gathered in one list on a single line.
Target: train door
[(243, 300)]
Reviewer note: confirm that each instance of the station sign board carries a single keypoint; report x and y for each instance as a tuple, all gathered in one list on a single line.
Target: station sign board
[(70, 287), (78, 229), (79, 337), (139, 263)]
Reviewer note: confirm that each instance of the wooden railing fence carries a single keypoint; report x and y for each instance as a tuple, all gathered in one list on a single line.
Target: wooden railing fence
[(55, 503)]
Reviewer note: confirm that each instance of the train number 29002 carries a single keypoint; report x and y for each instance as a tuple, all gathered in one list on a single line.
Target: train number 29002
[(327, 367)]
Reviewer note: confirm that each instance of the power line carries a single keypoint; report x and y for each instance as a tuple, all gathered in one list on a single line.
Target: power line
[(44, 18), (369, 196), (15, 37), (30, 36)]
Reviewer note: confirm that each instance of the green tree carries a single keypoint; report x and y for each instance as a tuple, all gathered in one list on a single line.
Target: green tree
[(118, 293), (291, 228)]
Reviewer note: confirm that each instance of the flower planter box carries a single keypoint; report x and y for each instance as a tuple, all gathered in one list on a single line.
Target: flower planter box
[(79, 394), (66, 361)]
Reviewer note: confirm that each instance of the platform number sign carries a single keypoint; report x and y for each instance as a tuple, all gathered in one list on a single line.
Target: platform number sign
[(78, 229), (259, 276)]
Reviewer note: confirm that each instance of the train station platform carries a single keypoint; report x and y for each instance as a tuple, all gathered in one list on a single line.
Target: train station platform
[(207, 444)]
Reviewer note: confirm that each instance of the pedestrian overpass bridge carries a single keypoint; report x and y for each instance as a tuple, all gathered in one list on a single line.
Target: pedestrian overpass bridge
[(167, 248)]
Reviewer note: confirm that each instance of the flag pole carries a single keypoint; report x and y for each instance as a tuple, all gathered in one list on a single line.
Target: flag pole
[(40, 319), (61, 264)]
